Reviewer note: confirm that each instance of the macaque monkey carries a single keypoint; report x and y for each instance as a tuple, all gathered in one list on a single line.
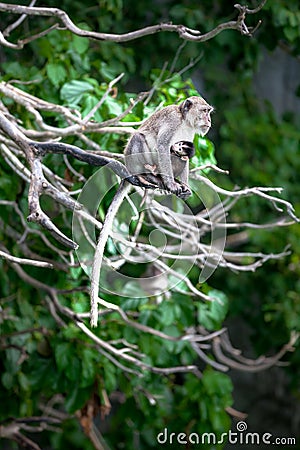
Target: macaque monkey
[(154, 148), (160, 151)]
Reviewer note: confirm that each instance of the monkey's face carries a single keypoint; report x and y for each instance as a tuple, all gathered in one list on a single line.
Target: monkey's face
[(197, 113), (183, 149), (203, 119)]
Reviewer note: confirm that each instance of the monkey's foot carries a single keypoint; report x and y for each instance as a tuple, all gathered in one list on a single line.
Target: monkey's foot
[(181, 190)]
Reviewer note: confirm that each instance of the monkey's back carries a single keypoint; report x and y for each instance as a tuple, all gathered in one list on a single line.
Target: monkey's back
[(169, 115)]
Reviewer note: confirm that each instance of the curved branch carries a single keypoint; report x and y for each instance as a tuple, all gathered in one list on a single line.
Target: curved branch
[(98, 257), (183, 31), (235, 361)]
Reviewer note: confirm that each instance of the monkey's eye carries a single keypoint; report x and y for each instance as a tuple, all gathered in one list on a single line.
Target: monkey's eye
[(208, 110)]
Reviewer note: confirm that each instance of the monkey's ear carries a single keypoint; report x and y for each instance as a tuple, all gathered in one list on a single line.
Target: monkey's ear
[(185, 107)]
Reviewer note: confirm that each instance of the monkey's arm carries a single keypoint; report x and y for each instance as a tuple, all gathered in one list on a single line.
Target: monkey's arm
[(184, 177)]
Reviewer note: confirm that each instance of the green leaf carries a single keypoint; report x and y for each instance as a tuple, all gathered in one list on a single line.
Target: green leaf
[(56, 73), (114, 107), (73, 91), (205, 150), (88, 373), (7, 380), (73, 370), (219, 306), (219, 418), (24, 381), (212, 314), (133, 304), (217, 383), (291, 33), (14, 69), (167, 313), (61, 352), (89, 102), (75, 272), (110, 379), (106, 71), (80, 44), (76, 398)]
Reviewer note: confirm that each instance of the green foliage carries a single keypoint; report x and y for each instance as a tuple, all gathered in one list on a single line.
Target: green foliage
[(262, 149), (211, 315), (204, 152), (73, 91), (286, 22), (273, 146)]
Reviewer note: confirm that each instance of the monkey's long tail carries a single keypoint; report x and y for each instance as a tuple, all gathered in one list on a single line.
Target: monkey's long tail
[(98, 256)]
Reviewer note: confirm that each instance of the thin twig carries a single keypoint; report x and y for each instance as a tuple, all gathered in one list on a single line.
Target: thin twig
[(25, 261), (18, 22)]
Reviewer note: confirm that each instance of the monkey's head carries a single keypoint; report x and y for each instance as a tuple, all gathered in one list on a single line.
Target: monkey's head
[(184, 150), (196, 112)]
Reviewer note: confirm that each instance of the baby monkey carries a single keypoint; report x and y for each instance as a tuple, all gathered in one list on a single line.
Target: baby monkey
[(181, 152)]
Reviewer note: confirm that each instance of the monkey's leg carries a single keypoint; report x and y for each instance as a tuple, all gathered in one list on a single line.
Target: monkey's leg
[(184, 181), (181, 174), (137, 154)]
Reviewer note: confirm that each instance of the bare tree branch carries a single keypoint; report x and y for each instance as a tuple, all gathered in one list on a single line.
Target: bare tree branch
[(235, 361), (182, 31), (259, 191), (25, 261), (12, 430)]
